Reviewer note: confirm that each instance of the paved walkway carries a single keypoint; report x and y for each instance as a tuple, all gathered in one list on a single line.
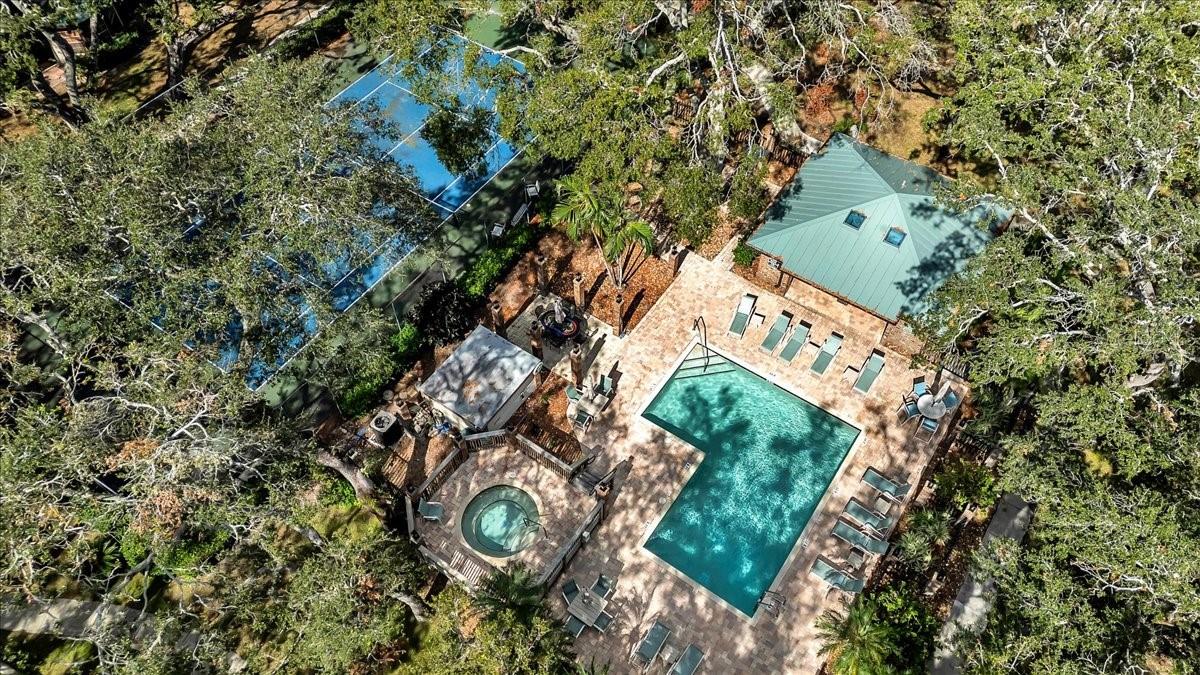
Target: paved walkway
[(975, 596)]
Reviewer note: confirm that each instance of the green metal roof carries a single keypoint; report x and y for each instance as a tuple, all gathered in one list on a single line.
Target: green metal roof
[(807, 230)]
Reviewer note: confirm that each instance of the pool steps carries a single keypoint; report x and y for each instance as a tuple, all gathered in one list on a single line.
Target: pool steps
[(696, 366)]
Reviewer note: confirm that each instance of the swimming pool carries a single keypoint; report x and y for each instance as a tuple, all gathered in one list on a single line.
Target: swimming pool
[(768, 458)]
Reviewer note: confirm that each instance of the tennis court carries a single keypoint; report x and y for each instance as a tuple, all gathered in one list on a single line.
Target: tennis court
[(347, 278)]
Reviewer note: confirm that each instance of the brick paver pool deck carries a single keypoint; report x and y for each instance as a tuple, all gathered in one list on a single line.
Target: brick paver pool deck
[(660, 464)]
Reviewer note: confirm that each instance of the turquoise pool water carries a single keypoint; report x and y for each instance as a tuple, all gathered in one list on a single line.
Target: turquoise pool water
[(768, 458), (500, 521)]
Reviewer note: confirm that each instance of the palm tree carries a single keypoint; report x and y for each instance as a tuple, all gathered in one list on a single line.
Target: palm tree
[(586, 212), (513, 588), (933, 525), (915, 549), (856, 641)]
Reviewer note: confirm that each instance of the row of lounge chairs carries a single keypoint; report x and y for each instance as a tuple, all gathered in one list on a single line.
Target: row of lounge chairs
[(798, 338), (651, 645), (865, 529)]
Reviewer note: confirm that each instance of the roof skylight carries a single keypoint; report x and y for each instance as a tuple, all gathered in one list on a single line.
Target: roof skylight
[(895, 236)]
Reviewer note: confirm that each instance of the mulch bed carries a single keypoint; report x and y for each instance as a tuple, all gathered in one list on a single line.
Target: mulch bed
[(565, 258)]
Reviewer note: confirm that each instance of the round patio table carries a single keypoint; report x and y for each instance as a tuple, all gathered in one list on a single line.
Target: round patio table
[(931, 407)]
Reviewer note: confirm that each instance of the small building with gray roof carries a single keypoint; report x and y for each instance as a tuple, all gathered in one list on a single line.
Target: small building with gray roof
[(483, 382)]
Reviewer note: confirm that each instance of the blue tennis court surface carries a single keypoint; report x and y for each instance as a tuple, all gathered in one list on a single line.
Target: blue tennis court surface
[(347, 277)]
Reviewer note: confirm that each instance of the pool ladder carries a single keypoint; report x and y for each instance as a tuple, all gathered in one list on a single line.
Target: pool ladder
[(702, 329)]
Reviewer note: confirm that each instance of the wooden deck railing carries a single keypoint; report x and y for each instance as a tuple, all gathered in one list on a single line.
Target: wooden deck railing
[(541, 456)]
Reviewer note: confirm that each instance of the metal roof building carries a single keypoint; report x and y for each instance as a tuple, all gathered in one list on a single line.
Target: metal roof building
[(866, 226)]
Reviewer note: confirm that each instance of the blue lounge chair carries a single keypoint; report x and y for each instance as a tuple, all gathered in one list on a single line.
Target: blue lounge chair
[(688, 662), (431, 510), (570, 590), (844, 531), (574, 626), (771, 341), (603, 621), (828, 350), (886, 486), (650, 645), (741, 316), (866, 378), (573, 394), (603, 586), (865, 516), (835, 577), (796, 342), (909, 410)]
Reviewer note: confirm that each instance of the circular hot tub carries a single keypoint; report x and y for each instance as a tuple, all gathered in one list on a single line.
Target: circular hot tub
[(500, 521)]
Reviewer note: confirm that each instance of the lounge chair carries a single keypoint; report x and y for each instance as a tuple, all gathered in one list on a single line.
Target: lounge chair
[(828, 350), (688, 662), (865, 516), (796, 342), (573, 394), (741, 317), (603, 621), (574, 626), (650, 645), (771, 341), (604, 586), (895, 491), (870, 371), (844, 531), (909, 410), (431, 510), (570, 590), (919, 387), (835, 577), (951, 399)]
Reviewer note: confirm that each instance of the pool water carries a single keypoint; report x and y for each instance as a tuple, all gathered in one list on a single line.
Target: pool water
[(500, 521), (768, 458)]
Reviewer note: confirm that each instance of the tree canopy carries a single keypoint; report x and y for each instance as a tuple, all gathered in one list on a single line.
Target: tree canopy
[(652, 100), (1084, 315)]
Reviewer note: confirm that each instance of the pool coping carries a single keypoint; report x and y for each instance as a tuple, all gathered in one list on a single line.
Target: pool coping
[(803, 540), (461, 539)]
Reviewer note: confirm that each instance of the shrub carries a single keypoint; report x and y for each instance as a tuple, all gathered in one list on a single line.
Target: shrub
[(406, 344), (359, 398), (337, 492), (185, 556), (482, 275), (963, 482), (444, 313), (743, 255), (914, 627), (747, 191), (844, 125)]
